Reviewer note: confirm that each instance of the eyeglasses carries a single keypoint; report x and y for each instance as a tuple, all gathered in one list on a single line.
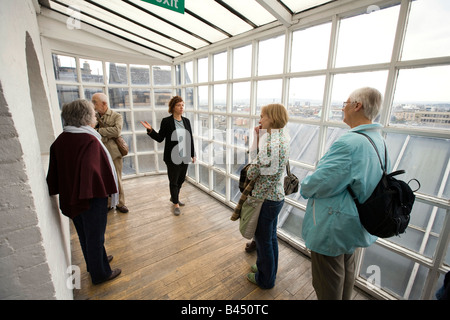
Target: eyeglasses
[(347, 102)]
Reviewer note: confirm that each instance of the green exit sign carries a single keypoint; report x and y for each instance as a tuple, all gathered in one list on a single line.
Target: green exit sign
[(174, 5)]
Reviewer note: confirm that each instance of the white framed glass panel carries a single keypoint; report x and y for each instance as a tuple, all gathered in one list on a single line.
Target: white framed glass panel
[(129, 167), (291, 220), (162, 98), (189, 72), (268, 91), (304, 142), (271, 56), (389, 265), (219, 183), (162, 75), (116, 73), (144, 143), (144, 115), (219, 156), (220, 66), (422, 98), (306, 97), (220, 97), (202, 70), (147, 163), (141, 98), (345, 84), (119, 98), (203, 175), (241, 97), (91, 71), (65, 68), (140, 74), (90, 91), (219, 128), (189, 99), (428, 30), (67, 94), (126, 118), (203, 98), (242, 62), (239, 158), (203, 121), (235, 193), (417, 153), (367, 38), (240, 127), (310, 48)]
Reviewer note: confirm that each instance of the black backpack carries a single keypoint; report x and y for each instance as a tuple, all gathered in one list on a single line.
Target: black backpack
[(387, 211)]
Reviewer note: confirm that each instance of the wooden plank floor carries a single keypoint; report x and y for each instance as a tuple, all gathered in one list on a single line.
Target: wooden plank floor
[(198, 255)]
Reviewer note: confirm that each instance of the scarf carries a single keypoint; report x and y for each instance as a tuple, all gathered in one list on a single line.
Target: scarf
[(91, 131)]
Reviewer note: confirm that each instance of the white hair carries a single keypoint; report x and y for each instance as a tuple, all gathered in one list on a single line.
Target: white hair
[(371, 100)]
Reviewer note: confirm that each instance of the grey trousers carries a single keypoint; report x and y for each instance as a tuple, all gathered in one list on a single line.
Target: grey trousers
[(333, 277)]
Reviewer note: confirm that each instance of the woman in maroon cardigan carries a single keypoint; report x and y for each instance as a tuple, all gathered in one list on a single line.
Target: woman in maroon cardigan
[(81, 171)]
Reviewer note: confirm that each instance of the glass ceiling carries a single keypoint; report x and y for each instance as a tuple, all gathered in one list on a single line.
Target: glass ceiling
[(172, 34)]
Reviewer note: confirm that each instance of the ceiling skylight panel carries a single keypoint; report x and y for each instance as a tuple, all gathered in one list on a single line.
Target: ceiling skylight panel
[(185, 21), (145, 20), (101, 22), (218, 15), (96, 12), (252, 10), (297, 6)]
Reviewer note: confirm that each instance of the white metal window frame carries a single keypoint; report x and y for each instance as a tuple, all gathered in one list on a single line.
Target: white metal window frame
[(308, 19), (436, 264)]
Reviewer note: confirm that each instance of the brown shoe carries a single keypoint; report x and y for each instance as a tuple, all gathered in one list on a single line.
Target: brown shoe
[(250, 246), (122, 209), (110, 258), (113, 275)]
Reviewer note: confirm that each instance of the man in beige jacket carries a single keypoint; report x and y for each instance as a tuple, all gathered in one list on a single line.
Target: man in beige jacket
[(110, 126)]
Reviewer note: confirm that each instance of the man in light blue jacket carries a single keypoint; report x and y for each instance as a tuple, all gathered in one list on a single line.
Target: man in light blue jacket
[(331, 227)]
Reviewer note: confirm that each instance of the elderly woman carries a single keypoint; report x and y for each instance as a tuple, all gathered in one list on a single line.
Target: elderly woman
[(331, 227), (267, 171), (81, 171)]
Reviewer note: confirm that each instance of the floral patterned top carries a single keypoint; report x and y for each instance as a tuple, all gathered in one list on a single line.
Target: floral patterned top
[(269, 165)]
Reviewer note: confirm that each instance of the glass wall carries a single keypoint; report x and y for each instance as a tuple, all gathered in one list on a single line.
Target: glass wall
[(312, 70), (400, 49), (137, 92)]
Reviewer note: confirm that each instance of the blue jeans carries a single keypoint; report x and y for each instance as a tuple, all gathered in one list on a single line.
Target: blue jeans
[(267, 244)]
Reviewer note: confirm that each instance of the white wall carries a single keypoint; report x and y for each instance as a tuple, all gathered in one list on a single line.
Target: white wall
[(34, 236)]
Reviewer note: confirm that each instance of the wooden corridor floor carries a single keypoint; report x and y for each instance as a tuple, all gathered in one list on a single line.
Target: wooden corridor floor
[(198, 255)]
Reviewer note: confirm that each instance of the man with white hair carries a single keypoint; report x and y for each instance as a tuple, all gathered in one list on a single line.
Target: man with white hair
[(110, 127), (331, 227)]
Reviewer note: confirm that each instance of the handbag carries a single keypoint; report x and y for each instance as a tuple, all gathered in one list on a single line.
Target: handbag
[(122, 145), (290, 181), (249, 216)]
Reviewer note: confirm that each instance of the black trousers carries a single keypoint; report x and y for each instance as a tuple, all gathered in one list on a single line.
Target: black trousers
[(177, 175), (91, 227)]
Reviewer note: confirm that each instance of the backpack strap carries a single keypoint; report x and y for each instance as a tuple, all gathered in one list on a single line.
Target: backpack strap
[(375, 147), (352, 194)]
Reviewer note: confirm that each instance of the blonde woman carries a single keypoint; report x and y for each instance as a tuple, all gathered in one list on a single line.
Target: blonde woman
[(267, 168)]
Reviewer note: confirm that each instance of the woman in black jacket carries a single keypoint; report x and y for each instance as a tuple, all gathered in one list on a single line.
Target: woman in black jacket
[(178, 148)]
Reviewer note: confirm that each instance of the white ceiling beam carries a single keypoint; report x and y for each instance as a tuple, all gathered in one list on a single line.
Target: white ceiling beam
[(278, 11)]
